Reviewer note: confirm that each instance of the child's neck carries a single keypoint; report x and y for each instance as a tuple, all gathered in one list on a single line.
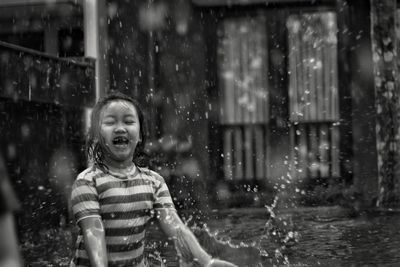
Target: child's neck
[(122, 168)]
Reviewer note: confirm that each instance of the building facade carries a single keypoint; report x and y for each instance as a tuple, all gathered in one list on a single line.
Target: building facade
[(246, 100)]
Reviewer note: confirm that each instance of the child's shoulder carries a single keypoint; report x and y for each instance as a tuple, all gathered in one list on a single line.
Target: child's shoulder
[(151, 174), (90, 173)]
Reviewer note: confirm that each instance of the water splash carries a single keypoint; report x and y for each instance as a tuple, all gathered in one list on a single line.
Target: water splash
[(225, 244), (247, 237)]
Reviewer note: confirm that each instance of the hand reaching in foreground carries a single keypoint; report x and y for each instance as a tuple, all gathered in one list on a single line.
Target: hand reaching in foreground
[(188, 246), (220, 263)]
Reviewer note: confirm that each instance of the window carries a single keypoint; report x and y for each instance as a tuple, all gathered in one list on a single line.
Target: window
[(313, 93), (242, 70)]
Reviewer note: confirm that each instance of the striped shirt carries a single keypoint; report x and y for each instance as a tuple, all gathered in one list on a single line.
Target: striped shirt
[(125, 205)]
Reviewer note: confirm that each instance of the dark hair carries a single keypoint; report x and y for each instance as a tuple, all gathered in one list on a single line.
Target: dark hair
[(93, 143)]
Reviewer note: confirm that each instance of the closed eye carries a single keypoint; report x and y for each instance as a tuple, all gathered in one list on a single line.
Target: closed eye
[(129, 119), (108, 122)]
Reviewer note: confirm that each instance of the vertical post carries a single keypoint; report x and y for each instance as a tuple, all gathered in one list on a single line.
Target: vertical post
[(349, 165), (95, 32), (357, 100), (384, 45)]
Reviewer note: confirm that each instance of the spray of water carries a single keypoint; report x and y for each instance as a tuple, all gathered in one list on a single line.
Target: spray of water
[(248, 253)]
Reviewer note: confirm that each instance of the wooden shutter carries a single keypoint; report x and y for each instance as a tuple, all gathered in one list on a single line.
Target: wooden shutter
[(242, 72), (313, 94)]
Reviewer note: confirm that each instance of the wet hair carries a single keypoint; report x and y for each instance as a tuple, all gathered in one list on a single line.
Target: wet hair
[(94, 142)]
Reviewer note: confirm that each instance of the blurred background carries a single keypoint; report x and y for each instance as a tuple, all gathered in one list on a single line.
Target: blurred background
[(254, 106)]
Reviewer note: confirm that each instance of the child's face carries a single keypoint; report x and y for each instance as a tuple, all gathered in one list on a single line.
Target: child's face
[(120, 131)]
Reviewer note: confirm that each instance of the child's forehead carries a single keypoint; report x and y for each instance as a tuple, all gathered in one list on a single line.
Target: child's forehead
[(119, 106)]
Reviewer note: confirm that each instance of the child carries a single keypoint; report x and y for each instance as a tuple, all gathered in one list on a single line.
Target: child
[(114, 199)]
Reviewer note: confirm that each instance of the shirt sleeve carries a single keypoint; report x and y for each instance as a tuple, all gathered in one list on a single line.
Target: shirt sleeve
[(85, 200), (162, 195)]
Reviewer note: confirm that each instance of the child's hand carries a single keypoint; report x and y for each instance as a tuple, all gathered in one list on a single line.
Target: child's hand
[(220, 263)]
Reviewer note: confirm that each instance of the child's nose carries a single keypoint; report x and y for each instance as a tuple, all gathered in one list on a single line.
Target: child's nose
[(120, 128)]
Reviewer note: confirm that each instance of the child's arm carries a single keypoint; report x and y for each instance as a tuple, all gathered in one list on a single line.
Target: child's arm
[(187, 243), (95, 242)]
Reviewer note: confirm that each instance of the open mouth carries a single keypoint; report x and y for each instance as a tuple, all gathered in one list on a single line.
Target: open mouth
[(120, 141)]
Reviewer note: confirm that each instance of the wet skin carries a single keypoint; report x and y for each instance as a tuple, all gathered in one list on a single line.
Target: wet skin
[(120, 131)]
